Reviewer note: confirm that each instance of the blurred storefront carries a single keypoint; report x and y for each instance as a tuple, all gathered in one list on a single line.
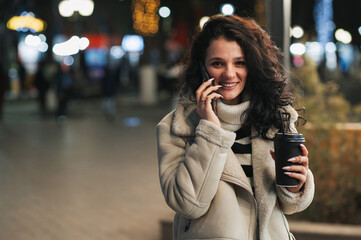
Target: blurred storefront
[(166, 28)]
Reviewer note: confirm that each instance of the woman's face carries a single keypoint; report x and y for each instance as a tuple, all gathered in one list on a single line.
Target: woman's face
[(225, 62)]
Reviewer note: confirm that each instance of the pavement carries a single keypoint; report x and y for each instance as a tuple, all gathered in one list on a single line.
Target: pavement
[(89, 177), (84, 178)]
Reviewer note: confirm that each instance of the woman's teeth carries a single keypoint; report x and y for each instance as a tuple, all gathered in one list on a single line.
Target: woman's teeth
[(228, 84)]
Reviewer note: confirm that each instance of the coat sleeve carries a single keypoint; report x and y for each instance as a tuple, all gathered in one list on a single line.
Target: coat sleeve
[(190, 173), (296, 202)]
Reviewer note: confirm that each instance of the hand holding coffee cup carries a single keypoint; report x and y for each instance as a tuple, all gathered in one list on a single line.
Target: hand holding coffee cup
[(298, 171), (291, 159)]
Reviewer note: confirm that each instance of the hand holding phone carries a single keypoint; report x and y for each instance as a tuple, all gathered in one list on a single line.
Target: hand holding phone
[(206, 77)]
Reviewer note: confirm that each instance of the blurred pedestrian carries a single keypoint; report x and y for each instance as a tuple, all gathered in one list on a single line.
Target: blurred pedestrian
[(4, 81), (42, 85), (110, 86), (215, 150), (63, 86)]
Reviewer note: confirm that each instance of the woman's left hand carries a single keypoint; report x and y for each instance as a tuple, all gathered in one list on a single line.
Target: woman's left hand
[(297, 171)]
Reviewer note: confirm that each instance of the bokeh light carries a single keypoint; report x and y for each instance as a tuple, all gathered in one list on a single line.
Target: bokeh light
[(297, 49), (33, 41), (68, 60), (297, 32), (202, 21), (164, 12), (25, 22), (343, 36), (330, 47), (227, 9), (71, 46), (68, 7), (145, 17), (117, 52), (133, 43), (315, 51)]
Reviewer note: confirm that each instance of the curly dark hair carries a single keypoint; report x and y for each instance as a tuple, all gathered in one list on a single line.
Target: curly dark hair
[(266, 84)]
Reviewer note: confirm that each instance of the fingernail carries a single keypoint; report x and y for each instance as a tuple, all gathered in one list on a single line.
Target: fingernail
[(288, 173), (292, 160), (218, 86), (302, 145), (220, 95), (286, 168), (210, 80)]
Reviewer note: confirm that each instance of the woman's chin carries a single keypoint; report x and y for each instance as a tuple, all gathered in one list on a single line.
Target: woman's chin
[(230, 100)]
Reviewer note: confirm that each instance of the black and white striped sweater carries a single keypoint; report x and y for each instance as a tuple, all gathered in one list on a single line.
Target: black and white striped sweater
[(232, 119)]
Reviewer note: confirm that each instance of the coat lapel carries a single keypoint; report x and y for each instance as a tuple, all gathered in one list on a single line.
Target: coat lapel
[(234, 173), (185, 118), (264, 178)]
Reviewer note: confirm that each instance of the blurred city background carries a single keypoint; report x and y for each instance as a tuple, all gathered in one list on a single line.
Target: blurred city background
[(83, 84)]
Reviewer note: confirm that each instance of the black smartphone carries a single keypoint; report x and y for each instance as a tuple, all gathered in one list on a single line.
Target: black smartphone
[(205, 74), (206, 77)]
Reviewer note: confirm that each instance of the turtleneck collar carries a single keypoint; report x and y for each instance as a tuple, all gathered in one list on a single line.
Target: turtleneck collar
[(230, 115)]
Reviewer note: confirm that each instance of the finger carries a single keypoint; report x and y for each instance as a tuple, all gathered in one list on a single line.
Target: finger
[(272, 154), (209, 91), (299, 176), (212, 97), (207, 101), (202, 87), (304, 162), (299, 159), (304, 150), (296, 168)]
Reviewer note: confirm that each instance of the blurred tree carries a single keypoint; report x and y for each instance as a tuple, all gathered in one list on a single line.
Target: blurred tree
[(335, 149)]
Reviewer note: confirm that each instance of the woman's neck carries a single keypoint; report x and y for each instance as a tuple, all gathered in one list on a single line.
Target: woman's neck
[(231, 116)]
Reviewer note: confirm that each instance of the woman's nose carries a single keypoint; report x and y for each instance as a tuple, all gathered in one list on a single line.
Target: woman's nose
[(229, 73)]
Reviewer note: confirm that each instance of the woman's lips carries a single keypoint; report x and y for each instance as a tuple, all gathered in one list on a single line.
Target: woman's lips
[(228, 86)]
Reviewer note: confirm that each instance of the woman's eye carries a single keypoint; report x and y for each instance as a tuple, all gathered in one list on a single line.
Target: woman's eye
[(240, 63), (215, 64)]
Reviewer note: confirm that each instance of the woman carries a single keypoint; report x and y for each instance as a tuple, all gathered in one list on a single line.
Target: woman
[(216, 166)]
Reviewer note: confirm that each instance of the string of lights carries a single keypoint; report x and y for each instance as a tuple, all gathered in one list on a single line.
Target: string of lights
[(145, 16)]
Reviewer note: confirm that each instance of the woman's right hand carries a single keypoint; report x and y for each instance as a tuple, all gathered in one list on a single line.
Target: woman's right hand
[(205, 94)]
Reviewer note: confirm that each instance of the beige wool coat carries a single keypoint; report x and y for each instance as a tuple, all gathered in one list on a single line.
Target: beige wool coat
[(203, 182)]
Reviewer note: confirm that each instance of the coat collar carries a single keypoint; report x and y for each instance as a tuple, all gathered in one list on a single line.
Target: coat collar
[(185, 118)]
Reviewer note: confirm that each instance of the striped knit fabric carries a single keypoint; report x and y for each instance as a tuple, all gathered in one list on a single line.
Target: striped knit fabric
[(242, 147), (230, 117)]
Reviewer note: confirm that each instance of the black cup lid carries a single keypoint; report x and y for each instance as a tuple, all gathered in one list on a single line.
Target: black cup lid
[(297, 137)]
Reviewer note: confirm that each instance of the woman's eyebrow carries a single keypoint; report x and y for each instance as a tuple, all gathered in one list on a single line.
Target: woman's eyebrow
[(240, 58), (215, 58), (219, 58)]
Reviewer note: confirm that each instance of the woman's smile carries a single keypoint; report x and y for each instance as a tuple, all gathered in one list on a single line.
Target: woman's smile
[(228, 86)]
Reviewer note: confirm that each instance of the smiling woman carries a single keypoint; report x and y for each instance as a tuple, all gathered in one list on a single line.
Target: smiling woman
[(216, 164)]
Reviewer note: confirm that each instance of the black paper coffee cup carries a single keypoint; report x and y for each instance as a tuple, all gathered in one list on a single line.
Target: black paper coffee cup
[(286, 146)]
